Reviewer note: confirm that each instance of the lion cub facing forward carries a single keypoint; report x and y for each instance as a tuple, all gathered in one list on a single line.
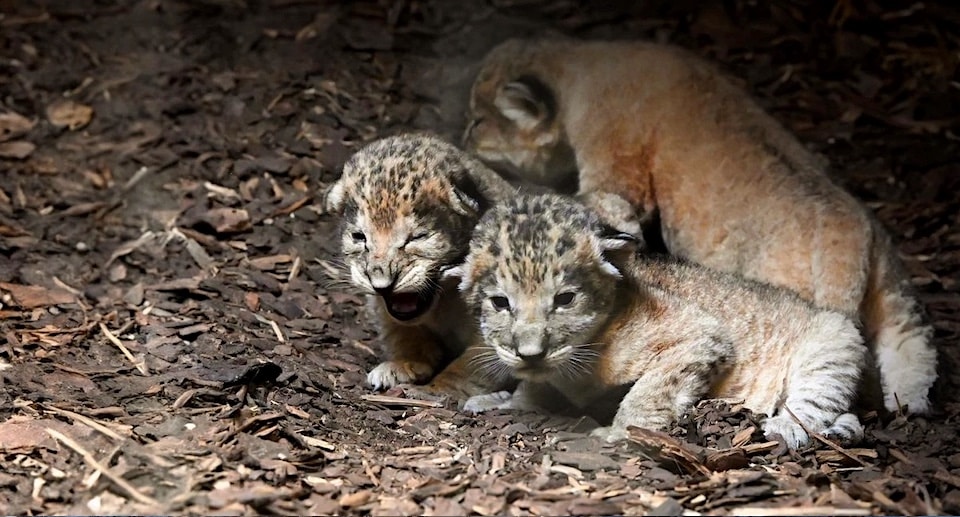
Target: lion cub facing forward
[(562, 299), (409, 204), (735, 191)]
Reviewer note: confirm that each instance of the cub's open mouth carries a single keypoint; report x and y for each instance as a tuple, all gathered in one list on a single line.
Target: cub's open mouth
[(408, 306)]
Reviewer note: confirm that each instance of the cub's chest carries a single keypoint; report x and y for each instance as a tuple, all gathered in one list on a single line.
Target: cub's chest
[(451, 321)]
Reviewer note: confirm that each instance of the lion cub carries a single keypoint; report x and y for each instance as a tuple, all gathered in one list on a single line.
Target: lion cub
[(409, 204), (734, 190), (561, 298)]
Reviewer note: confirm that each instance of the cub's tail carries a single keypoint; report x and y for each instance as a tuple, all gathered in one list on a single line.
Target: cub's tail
[(895, 328)]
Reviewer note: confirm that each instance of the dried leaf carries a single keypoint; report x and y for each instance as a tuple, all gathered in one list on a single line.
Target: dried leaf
[(33, 296), (13, 124), (17, 150), (227, 220), (70, 114)]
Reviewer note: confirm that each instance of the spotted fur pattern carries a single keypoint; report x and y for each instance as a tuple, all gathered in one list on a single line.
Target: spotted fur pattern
[(561, 298), (733, 189), (408, 205)]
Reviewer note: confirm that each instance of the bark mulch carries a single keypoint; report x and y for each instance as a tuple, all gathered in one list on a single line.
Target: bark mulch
[(170, 340)]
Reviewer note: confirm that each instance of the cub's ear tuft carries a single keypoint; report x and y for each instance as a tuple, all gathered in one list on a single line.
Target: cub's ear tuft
[(526, 101), (334, 197)]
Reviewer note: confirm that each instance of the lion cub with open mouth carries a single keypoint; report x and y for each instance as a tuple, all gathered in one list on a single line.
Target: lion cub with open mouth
[(562, 298), (734, 190), (409, 204)]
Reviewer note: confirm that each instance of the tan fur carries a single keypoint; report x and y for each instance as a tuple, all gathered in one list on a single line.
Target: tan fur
[(734, 190), (409, 204), (556, 306)]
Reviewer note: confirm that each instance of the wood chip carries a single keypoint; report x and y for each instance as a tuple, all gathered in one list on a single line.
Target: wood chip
[(33, 296), (69, 113), (400, 401), (789, 512)]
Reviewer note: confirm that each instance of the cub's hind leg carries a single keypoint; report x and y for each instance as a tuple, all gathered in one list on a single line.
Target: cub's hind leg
[(843, 240), (821, 384)]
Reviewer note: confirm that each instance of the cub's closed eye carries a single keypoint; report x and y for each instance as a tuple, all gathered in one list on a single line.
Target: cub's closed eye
[(418, 237), (501, 303), (563, 299), (358, 236)]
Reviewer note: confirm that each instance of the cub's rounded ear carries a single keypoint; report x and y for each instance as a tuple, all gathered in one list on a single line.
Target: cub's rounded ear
[(452, 272), (462, 203), (465, 196), (617, 249), (334, 197), (615, 212), (613, 239), (457, 272), (526, 101)]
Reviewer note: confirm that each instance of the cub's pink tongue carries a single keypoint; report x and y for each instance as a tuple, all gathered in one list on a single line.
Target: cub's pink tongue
[(403, 302)]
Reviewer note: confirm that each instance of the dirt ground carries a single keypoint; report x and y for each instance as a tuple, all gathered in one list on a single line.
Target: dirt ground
[(170, 341)]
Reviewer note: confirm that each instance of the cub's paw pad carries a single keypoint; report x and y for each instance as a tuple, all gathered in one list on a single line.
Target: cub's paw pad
[(610, 434), (391, 373), (488, 402), (788, 429)]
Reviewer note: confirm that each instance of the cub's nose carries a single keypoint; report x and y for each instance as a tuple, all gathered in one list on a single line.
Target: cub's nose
[(381, 282), (531, 354)]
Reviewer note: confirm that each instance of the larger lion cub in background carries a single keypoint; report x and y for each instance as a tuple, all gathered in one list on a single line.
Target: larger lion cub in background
[(734, 190)]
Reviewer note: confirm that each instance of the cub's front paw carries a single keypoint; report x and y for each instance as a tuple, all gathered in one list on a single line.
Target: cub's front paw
[(785, 426), (488, 401), (846, 430), (610, 434), (391, 373), (421, 392)]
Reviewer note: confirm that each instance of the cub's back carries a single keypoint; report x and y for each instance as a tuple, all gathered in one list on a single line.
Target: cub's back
[(714, 290)]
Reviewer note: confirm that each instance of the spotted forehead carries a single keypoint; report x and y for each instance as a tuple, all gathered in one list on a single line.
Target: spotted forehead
[(533, 238), (400, 176)]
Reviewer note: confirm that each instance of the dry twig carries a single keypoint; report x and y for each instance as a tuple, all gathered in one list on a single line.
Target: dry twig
[(88, 457), (140, 366)]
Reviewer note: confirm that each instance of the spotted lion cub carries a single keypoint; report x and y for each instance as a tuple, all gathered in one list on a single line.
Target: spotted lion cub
[(409, 204), (734, 190), (563, 299)]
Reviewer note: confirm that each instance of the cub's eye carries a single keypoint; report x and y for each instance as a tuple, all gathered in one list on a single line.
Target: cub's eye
[(418, 237), (358, 237), (563, 299), (501, 303)]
